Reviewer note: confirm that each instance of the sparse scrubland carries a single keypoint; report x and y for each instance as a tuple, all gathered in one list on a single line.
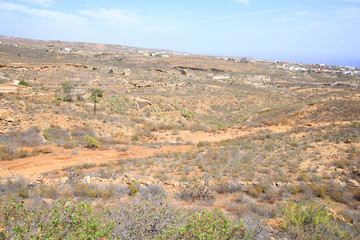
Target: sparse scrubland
[(185, 147)]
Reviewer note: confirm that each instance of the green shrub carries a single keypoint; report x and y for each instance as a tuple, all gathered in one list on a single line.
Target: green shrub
[(203, 143), (23, 83), (91, 142), (135, 137), (64, 221), (310, 221), (23, 191), (319, 190), (134, 188), (207, 226), (187, 114), (257, 190)]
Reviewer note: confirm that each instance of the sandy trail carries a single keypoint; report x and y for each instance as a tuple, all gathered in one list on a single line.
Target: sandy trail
[(61, 158)]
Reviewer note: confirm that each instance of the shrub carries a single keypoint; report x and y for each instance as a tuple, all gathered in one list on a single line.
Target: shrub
[(207, 226), (134, 189), (225, 187), (81, 132), (23, 83), (187, 114), (19, 187), (135, 137), (256, 190), (7, 152), (319, 190), (57, 135), (48, 191), (310, 221), (27, 138), (93, 191), (143, 219), (357, 194), (152, 191), (91, 142), (197, 191), (64, 221), (203, 143)]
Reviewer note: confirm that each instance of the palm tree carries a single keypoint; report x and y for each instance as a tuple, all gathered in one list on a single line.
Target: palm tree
[(96, 94)]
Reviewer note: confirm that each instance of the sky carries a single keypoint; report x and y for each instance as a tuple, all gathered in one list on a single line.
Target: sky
[(307, 31)]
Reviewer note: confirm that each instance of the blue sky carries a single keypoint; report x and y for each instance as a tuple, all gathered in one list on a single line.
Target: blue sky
[(308, 31)]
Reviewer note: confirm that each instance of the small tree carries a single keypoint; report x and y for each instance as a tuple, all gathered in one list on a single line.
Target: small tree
[(96, 94)]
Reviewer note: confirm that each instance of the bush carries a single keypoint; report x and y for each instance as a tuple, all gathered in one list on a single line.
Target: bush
[(134, 189), (48, 191), (135, 137), (28, 138), (93, 191), (23, 83), (207, 226), (197, 191), (310, 221), (91, 142), (57, 135), (187, 114), (143, 219), (64, 221)]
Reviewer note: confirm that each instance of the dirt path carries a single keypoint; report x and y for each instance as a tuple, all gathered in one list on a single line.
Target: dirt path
[(61, 158)]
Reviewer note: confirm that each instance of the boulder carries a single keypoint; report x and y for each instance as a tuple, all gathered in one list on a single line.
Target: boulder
[(353, 183), (48, 201)]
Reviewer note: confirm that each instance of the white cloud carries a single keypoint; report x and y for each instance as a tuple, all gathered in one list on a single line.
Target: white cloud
[(111, 16), (246, 2), (44, 3), (53, 16)]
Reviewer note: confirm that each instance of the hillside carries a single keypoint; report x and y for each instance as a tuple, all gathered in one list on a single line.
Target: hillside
[(262, 141)]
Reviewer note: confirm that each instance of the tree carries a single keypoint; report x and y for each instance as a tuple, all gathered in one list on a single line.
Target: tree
[(96, 94)]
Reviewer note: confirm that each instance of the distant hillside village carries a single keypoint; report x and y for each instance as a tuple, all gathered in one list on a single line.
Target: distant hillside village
[(299, 67), (291, 67)]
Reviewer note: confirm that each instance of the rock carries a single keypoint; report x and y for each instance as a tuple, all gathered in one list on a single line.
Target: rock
[(177, 184), (64, 180), (98, 180), (126, 72), (278, 184), (353, 183), (355, 170), (87, 179), (48, 201), (342, 184), (168, 183), (10, 119), (36, 180)]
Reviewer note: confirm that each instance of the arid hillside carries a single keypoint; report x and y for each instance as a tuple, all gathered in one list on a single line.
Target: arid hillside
[(275, 145)]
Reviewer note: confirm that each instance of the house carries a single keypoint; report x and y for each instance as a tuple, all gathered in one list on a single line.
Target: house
[(67, 49)]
